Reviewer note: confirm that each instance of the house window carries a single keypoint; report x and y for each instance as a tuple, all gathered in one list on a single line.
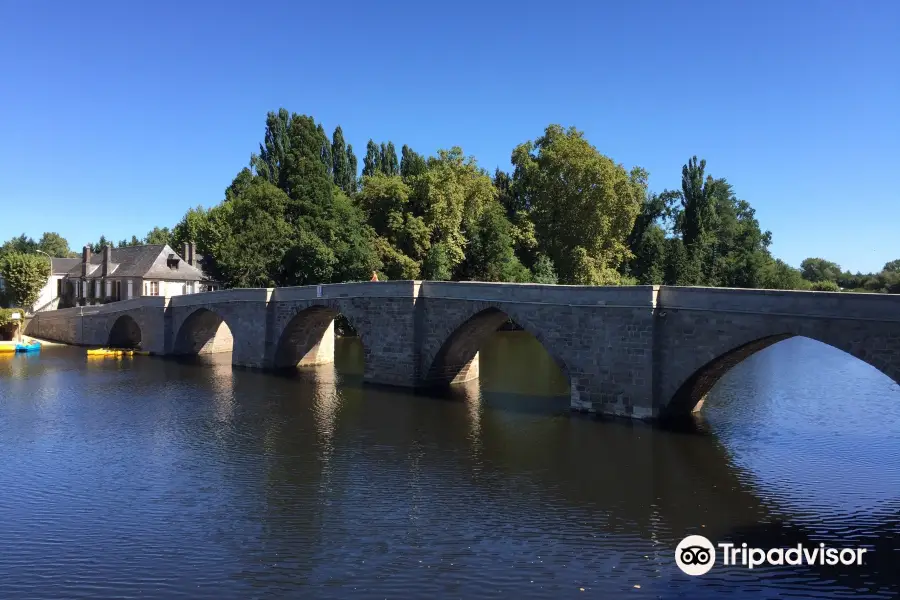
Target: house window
[(130, 288), (117, 290), (59, 287), (153, 288)]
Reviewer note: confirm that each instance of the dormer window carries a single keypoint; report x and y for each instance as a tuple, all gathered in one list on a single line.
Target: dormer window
[(173, 261)]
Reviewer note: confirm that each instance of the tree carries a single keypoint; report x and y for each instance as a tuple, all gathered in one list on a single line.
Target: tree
[(275, 147), (22, 244), (372, 161), (253, 237), (325, 152), (411, 163), (101, 243), (354, 170), (189, 228), (307, 261), (819, 269), (781, 276), (157, 236), (892, 267), (24, 275), (582, 204), (385, 203), (825, 286), (134, 241), (543, 270), (450, 197), (489, 251), (389, 164), (55, 245), (341, 163), (698, 202)]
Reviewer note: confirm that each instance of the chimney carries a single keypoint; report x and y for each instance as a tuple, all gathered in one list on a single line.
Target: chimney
[(185, 248), (107, 256), (192, 260), (85, 260)]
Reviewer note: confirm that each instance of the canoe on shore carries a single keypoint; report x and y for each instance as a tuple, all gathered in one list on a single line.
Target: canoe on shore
[(30, 347)]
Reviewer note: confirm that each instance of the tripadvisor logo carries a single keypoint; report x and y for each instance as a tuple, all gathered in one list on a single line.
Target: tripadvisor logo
[(696, 555)]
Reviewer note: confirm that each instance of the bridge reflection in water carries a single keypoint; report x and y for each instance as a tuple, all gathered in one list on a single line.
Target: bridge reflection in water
[(512, 435)]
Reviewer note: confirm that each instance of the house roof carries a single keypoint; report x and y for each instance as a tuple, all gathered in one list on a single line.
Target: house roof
[(149, 262), (61, 266)]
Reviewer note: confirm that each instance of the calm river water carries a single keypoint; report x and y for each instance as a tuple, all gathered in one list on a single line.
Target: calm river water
[(159, 479)]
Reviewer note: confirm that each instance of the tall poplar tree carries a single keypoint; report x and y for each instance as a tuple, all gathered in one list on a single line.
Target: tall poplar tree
[(352, 167), (340, 166), (372, 161)]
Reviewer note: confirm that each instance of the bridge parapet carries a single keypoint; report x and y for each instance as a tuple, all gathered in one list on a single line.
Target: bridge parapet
[(219, 296), (834, 305), (638, 296), (384, 289)]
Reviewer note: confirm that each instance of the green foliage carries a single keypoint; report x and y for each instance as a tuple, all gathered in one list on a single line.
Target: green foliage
[(412, 164), (489, 251), (157, 236), (55, 245), (24, 275), (825, 286), (543, 270), (438, 265), (583, 205), (778, 275), (300, 214), (892, 266), (21, 245), (6, 315), (344, 178), (389, 164), (353, 168), (372, 161), (819, 269)]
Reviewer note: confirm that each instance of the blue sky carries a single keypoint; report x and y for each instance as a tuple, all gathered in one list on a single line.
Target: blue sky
[(118, 116)]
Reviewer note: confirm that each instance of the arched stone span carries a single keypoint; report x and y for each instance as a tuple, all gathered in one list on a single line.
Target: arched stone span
[(457, 360), (308, 337), (203, 332), (693, 390), (124, 333)]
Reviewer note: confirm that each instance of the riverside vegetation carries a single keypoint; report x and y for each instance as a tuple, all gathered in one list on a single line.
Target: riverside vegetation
[(298, 214)]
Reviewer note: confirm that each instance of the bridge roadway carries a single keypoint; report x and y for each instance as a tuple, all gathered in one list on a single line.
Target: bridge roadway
[(636, 351)]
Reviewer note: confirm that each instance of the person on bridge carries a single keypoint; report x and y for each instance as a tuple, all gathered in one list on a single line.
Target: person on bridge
[(374, 276)]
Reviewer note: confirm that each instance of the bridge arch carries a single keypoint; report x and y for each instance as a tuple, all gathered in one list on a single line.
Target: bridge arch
[(204, 331), (124, 333), (456, 359), (692, 391), (307, 339)]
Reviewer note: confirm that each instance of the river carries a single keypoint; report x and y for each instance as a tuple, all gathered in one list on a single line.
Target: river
[(156, 478)]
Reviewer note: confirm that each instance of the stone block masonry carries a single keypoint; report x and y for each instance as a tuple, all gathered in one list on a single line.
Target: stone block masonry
[(640, 352)]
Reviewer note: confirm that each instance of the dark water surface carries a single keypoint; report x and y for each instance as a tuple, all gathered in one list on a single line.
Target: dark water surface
[(152, 478)]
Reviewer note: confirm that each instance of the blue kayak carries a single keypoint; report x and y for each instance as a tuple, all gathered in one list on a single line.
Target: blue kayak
[(32, 347)]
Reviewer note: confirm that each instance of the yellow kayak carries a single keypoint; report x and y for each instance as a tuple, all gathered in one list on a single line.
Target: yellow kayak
[(110, 352), (7, 346)]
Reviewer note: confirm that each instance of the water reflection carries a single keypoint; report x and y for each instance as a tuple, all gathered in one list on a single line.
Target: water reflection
[(190, 479)]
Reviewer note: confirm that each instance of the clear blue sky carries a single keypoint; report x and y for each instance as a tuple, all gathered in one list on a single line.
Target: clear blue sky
[(118, 116)]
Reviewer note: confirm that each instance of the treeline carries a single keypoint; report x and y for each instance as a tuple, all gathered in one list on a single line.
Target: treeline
[(299, 214)]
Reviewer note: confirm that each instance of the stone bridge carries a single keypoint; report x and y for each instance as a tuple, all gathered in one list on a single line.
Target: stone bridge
[(641, 351)]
